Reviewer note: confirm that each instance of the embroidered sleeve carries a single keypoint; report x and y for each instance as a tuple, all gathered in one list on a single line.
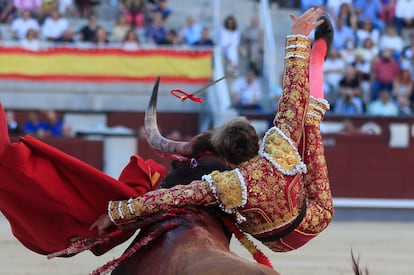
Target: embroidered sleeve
[(297, 46), (125, 211)]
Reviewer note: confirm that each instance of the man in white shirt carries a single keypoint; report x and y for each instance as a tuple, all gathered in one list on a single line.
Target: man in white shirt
[(384, 105), (404, 14), (54, 26), (191, 32), (22, 24), (334, 70), (246, 92), (391, 40)]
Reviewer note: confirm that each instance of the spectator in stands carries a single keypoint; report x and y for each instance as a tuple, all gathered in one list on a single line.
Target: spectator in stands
[(347, 15), (349, 94), (334, 6), (388, 11), (46, 9), (246, 92), (32, 5), (348, 52), (368, 50), (88, 32), (155, 32), (403, 85), (85, 6), (172, 38), (54, 26), (160, 6), (101, 40), (334, 70), (205, 39), (384, 105), (343, 33), (384, 71), (131, 41), (67, 37), (31, 41), (351, 81), (391, 40), (404, 15), (67, 8), (252, 41), (348, 104), (13, 126), (191, 33), (404, 107), (7, 11), (120, 29), (229, 43), (371, 9), (135, 12), (306, 4), (34, 125), (22, 24), (367, 30), (408, 50), (55, 126), (363, 71)]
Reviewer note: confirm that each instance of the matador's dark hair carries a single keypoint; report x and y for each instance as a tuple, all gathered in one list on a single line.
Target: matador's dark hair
[(236, 141)]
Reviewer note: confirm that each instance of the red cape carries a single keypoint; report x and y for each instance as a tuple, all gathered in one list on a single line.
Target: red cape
[(49, 196)]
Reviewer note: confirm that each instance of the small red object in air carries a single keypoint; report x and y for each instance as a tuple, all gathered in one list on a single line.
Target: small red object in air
[(183, 95)]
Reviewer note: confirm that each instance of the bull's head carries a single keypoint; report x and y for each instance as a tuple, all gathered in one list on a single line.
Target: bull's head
[(168, 148)]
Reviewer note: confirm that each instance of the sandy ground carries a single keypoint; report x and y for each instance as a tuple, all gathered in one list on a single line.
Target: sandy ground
[(384, 247)]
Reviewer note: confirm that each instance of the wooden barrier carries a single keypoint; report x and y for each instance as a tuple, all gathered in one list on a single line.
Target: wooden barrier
[(360, 166)]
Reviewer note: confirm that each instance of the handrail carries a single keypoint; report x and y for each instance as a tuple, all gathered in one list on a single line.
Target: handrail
[(269, 56), (218, 96)]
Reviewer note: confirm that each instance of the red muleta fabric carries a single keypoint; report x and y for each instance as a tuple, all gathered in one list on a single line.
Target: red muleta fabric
[(49, 197)]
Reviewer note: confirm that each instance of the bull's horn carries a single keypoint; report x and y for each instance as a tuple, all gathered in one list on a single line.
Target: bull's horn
[(154, 138)]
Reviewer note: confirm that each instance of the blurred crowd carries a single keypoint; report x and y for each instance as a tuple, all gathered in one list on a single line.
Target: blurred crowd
[(37, 24), (370, 67), (41, 124)]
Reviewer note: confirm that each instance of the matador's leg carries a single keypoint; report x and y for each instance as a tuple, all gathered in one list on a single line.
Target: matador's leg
[(316, 181), (319, 208), (295, 96)]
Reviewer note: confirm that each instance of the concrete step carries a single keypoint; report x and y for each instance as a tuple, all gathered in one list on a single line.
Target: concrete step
[(91, 96)]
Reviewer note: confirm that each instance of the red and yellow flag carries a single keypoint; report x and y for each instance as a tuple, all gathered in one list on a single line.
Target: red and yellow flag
[(107, 65)]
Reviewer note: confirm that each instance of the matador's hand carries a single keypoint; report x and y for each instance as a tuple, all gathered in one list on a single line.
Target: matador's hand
[(101, 224), (305, 23)]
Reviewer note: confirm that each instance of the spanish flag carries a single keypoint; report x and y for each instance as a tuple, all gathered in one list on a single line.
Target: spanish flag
[(107, 65)]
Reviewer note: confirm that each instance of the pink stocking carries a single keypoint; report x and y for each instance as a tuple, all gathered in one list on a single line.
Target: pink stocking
[(317, 58)]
